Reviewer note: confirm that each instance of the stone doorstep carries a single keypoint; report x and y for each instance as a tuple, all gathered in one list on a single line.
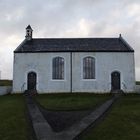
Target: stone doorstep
[(44, 131)]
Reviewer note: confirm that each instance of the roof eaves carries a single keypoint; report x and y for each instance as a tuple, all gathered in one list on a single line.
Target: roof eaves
[(110, 51)]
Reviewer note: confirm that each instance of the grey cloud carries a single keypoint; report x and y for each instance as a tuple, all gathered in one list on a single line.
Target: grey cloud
[(53, 18)]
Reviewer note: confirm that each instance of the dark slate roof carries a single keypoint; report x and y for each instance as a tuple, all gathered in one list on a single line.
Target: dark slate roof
[(74, 45)]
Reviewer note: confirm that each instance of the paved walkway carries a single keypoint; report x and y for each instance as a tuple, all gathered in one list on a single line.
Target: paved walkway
[(44, 131)]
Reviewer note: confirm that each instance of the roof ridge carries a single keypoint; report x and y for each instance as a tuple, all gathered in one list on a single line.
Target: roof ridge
[(79, 38)]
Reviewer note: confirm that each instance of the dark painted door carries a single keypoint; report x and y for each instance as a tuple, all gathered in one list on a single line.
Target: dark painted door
[(31, 81), (115, 81)]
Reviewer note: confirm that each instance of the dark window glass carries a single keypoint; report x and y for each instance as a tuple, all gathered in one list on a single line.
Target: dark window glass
[(58, 68), (89, 68)]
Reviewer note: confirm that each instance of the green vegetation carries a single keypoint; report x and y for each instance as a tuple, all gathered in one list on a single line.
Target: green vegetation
[(122, 122), (137, 82), (5, 82), (73, 101), (13, 122)]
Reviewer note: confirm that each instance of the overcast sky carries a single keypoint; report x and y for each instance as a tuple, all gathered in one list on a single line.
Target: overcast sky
[(67, 18)]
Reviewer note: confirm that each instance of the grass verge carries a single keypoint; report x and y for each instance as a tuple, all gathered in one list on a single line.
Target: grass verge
[(122, 123), (13, 123), (73, 101)]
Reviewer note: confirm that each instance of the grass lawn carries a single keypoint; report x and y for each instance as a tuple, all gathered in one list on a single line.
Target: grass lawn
[(71, 101), (122, 122), (13, 122)]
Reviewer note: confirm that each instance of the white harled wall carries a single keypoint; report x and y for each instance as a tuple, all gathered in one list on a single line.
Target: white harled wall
[(105, 63), (41, 63)]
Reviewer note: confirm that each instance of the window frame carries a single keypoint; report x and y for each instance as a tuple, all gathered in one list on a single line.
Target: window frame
[(62, 68), (94, 67)]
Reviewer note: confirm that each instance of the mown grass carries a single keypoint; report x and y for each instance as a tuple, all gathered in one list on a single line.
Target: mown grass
[(5, 82), (122, 122), (73, 101), (13, 122)]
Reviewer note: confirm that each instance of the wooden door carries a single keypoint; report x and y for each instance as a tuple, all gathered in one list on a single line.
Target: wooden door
[(115, 81), (31, 81)]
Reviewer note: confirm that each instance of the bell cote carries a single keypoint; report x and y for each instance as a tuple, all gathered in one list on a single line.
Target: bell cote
[(28, 33)]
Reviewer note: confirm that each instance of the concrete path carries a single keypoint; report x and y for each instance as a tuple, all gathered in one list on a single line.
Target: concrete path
[(44, 131)]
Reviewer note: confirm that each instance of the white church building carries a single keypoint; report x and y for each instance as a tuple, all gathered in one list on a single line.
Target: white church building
[(54, 65)]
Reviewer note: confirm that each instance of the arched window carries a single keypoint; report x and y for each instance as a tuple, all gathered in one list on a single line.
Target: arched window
[(89, 67), (58, 68)]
